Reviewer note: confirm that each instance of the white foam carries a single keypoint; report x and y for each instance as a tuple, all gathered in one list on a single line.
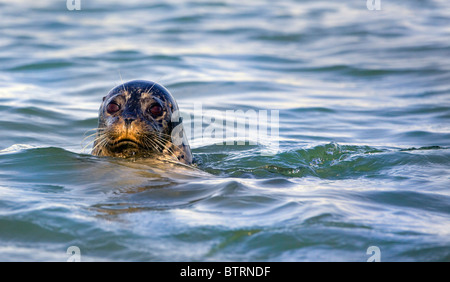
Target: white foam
[(16, 148)]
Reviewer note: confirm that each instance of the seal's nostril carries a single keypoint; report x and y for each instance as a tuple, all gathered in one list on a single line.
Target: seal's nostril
[(128, 121)]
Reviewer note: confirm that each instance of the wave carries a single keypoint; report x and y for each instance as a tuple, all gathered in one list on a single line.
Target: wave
[(328, 161)]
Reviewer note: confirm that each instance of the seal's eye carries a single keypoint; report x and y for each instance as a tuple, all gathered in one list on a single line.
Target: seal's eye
[(155, 110), (112, 108)]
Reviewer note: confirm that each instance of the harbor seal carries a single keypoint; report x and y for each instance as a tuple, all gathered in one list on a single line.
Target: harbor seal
[(140, 119)]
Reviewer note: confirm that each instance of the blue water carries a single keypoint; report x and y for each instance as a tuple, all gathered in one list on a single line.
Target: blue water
[(364, 131)]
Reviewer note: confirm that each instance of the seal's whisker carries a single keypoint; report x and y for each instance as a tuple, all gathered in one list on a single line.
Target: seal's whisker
[(89, 136), (99, 132), (100, 144), (155, 144), (92, 129), (121, 80), (90, 142), (84, 148), (96, 129), (98, 139), (159, 140), (152, 143), (154, 83), (150, 140), (167, 135), (120, 75)]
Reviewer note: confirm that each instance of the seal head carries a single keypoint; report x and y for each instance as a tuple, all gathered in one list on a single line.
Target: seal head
[(140, 119)]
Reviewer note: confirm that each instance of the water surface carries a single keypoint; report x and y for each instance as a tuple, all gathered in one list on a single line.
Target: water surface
[(364, 152)]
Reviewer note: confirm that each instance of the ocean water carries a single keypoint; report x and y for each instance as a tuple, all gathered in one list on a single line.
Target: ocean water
[(363, 145)]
